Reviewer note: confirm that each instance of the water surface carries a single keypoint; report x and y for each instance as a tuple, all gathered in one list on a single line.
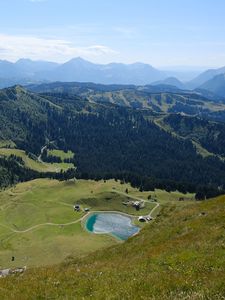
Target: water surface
[(115, 224)]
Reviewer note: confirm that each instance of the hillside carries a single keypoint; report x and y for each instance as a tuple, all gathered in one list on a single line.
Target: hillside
[(12, 171), (101, 132), (171, 81), (33, 163), (209, 135), (216, 85), (20, 115), (204, 77), (179, 256), (159, 98), (44, 221)]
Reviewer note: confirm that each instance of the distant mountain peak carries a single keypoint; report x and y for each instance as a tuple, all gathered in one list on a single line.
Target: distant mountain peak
[(19, 89), (24, 60), (215, 85), (141, 64), (171, 81), (78, 60), (205, 76)]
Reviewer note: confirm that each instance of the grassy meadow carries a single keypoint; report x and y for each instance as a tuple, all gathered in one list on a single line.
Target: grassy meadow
[(178, 256), (61, 154), (39, 226), (35, 164)]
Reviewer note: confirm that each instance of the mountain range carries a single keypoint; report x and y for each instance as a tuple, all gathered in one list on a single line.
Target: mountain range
[(26, 71), (78, 69)]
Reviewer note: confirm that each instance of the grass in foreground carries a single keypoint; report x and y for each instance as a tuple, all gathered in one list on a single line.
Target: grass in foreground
[(179, 256)]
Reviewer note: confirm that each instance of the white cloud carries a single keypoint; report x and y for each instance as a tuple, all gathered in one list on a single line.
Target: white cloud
[(13, 47)]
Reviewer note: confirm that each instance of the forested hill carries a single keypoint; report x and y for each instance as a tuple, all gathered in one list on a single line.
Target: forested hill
[(210, 135), (108, 140), (159, 98)]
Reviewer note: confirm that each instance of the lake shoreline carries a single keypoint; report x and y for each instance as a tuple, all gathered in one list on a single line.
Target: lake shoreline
[(120, 226)]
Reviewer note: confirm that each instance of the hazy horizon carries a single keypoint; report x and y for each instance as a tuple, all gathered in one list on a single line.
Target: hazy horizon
[(177, 68)]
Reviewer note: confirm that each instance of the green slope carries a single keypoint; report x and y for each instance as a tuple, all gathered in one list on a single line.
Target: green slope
[(209, 135), (179, 256), (141, 97), (61, 154), (35, 164), (29, 211)]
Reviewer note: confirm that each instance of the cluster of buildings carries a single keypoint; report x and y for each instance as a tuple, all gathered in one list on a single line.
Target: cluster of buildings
[(136, 204), (77, 207)]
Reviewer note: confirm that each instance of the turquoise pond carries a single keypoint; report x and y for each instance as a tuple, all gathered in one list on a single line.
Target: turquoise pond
[(115, 224)]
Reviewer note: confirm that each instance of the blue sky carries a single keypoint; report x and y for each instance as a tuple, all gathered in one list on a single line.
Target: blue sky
[(163, 33)]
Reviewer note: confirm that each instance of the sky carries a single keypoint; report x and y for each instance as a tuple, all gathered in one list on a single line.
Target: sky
[(164, 33)]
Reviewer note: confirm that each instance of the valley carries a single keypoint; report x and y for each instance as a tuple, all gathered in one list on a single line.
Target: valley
[(99, 134), (112, 150), (77, 157)]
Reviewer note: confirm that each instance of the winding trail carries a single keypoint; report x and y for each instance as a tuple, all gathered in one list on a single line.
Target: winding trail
[(40, 225), (42, 150), (86, 215), (154, 208)]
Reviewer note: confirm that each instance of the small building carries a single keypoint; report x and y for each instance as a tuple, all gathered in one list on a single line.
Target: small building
[(86, 209), (136, 203), (142, 219), (76, 207)]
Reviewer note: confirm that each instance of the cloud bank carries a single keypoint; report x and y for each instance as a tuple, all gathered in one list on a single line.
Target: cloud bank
[(13, 47)]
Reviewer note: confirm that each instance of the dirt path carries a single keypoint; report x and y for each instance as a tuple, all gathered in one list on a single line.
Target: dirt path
[(85, 216), (43, 224), (42, 150)]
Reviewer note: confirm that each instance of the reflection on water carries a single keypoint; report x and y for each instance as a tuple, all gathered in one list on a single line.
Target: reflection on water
[(112, 223)]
